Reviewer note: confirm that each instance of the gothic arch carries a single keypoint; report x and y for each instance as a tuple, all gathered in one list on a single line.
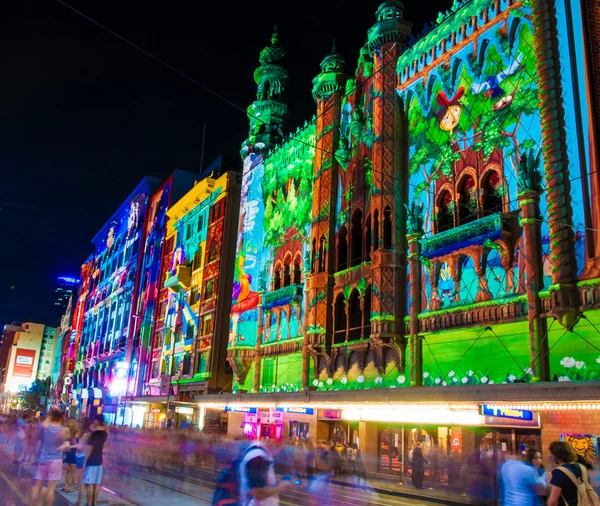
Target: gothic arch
[(356, 244), (340, 320), (342, 249), (354, 316)]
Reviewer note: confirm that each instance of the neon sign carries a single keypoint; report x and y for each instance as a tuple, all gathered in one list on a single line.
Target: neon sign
[(298, 411), (240, 410), (66, 279), (519, 414)]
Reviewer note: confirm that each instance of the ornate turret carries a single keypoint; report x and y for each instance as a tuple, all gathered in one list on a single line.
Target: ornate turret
[(268, 112), (390, 27), (332, 78)]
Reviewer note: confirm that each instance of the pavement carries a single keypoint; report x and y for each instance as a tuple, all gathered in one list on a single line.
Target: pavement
[(124, 485)]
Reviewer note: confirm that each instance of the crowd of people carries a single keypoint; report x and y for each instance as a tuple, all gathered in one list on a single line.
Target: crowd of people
[(265, 469), (53, 444)]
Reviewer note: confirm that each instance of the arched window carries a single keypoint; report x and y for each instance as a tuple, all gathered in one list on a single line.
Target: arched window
[(342, 249), (313, 255), (467, 200), (277, 276), (213, 250), (492, 199), (197, 262), (354, 317), (339, 320), (322, 253), (287, 265), (356, 247), (387, 227), (367, 312), (376, 230), (297, 269), (368, 239), (445, 218)]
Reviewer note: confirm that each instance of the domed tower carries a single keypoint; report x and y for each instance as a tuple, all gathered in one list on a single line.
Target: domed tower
[(268, 112)]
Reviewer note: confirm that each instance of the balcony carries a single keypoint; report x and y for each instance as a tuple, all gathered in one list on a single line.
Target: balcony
[(179, 280), (476, 233), (282, 296)]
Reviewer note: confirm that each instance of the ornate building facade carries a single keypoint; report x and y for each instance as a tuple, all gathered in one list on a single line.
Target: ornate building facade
[(432, 226)]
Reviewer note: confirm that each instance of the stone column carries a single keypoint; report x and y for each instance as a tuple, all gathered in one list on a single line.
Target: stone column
[(556, 163), (416, 305), (529, 201)]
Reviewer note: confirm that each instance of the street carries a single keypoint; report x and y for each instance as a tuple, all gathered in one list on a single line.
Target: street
[(125, 486)]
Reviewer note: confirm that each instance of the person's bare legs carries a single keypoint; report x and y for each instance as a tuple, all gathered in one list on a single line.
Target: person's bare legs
[(80, 486), (96, 493), (35, 492), (89, 490), (50, 492)]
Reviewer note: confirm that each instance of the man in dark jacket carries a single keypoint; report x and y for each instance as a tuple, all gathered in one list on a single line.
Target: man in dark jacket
[(418, 466)]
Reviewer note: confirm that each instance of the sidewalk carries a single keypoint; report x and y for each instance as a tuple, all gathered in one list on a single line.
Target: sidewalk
[(393, 486), (106, 496)]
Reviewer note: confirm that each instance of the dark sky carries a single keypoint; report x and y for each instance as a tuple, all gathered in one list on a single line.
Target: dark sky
[(84, 116)]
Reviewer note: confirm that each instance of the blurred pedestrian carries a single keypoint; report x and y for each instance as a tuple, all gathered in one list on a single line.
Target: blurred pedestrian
[(54, 440), (521, 483), (361, 469), (20, 438)]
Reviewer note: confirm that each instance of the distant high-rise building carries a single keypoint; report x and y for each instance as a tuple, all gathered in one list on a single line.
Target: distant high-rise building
[(65, 287)]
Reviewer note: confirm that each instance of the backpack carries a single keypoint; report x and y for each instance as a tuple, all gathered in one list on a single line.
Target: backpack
[(586, 496), (227, 490)]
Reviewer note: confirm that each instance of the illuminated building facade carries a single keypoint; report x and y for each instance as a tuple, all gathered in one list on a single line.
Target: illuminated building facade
[(139, 349), (436, 225), (194, 315), (111, 297)]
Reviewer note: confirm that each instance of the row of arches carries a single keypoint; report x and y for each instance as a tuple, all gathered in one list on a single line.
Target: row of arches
[(352, 318), (474, 198), (285, 273), (356, 247)]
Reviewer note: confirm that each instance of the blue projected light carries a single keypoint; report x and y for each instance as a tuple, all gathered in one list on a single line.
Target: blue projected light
[(518, 414)]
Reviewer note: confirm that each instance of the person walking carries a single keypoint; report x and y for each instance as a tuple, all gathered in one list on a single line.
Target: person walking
[(70, 458), (54, 440), (92, 473), (418, 466), (567, 476), (360, 470), (20, 438), (521, 483)]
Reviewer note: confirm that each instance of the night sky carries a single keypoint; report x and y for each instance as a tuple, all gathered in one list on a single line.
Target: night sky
[(84, 116)]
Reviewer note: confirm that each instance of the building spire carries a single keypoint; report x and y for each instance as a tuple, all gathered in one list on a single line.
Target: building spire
[(268, 112)]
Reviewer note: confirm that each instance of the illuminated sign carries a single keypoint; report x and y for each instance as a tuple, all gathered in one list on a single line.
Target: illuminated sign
[(298, 411), (184, 411), (23, 366), (518, 414), (66, 279), (240, 410)]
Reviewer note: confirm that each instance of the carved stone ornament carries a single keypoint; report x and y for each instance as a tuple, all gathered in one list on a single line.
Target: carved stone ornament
[(414, 223), (529, 176)]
